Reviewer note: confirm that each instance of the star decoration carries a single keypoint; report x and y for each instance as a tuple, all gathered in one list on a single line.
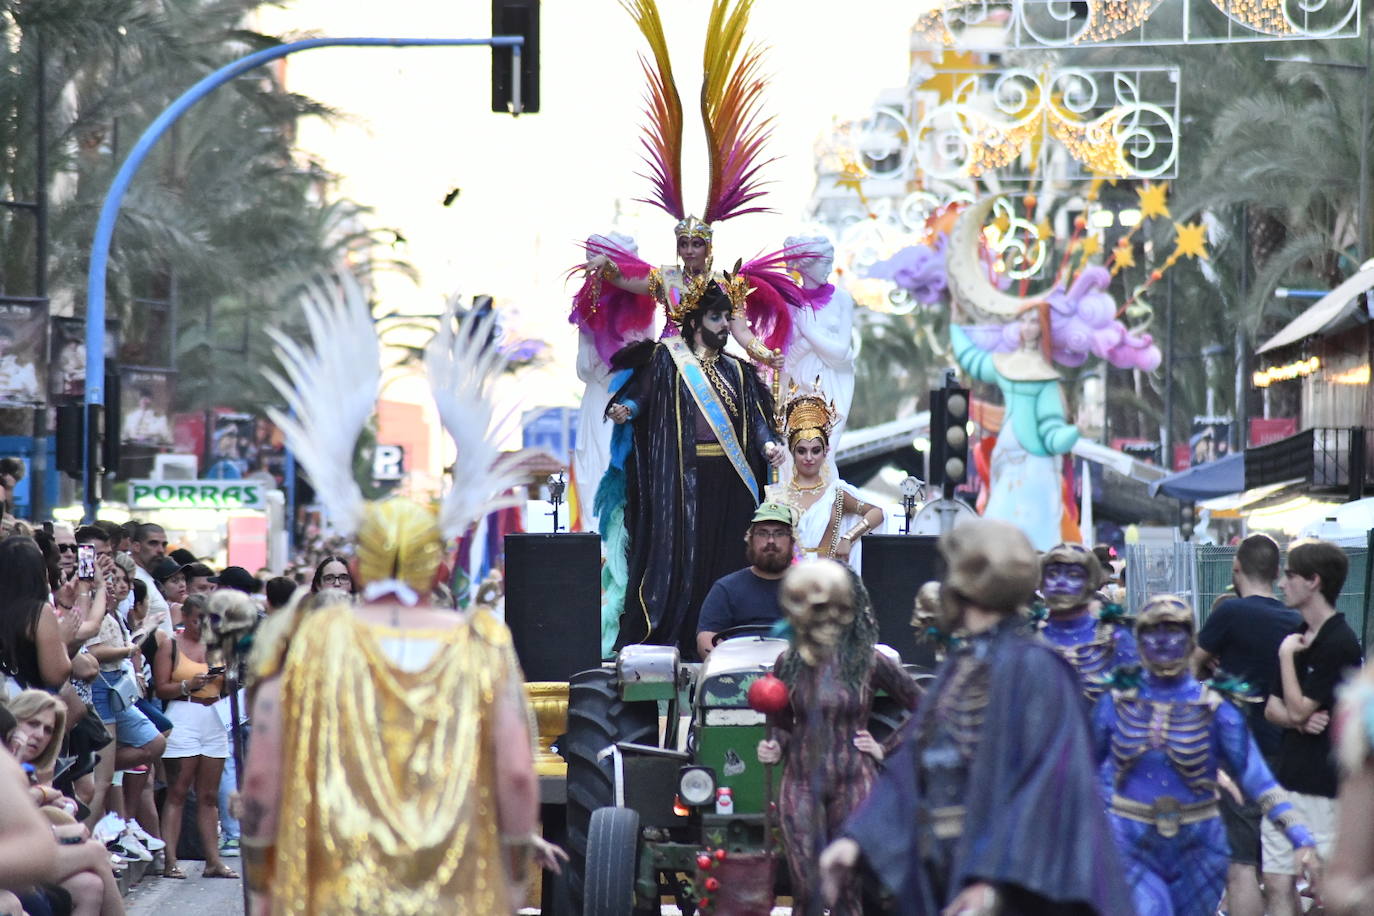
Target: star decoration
[(1191, 240), (1123, 256), (950, 73), (1153, 200), (1090, 246)]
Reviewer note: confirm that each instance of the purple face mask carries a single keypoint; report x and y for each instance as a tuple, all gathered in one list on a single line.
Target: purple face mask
[(1064, 586), (1164, 649)]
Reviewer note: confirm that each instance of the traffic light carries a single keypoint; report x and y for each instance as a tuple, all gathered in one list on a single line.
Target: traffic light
[(949, 414), (1187, 519), (71, 428), (515, 17)]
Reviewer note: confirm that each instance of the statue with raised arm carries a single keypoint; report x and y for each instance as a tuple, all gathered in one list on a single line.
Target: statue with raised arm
[(823, 343)]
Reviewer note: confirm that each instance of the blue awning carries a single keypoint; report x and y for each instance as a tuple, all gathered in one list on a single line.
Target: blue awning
[(1206, 481)]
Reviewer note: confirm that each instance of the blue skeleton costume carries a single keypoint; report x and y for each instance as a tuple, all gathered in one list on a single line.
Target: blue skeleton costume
[(1161, 736), (992, 792), (1094, 644)]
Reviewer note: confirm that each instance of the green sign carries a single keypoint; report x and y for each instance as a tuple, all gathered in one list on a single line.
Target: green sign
[(197, 494)]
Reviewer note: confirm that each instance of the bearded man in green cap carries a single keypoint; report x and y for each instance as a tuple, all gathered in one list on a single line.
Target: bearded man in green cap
[(749, 597)]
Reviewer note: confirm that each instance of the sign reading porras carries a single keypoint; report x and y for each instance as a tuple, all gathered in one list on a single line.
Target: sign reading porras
[(196, 494)]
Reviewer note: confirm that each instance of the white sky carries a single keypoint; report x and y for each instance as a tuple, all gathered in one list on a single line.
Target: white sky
[(419, 123)]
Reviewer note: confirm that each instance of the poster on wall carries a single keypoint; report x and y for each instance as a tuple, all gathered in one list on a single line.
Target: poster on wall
[(1209, 440), (23, 353), (145, 402), (241, 445), (67, 370)]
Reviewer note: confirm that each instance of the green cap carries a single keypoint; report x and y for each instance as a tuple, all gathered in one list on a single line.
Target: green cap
[(773, 512)]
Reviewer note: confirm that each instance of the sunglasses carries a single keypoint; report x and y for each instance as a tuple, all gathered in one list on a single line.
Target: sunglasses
[(66, 548)]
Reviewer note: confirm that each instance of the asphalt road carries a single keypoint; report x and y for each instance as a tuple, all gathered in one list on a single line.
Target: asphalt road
[(196, 896)]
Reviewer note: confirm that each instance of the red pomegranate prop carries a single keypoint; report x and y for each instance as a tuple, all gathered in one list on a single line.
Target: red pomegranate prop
[(768, 695)]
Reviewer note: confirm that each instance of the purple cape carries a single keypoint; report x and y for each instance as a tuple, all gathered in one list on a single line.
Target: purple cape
[(1035, 824)]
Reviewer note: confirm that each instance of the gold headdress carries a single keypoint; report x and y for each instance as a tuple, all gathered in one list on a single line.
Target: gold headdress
[(1162, 609), (735, 288), (692, 228), (808, 416), (331, 389)]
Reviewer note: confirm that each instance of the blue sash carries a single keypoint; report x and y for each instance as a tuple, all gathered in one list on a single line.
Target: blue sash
[(708, 402)]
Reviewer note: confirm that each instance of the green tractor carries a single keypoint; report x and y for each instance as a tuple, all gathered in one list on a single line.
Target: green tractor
[(650, 744)]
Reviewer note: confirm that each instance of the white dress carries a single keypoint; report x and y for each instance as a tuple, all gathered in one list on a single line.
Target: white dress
[(811, 527)]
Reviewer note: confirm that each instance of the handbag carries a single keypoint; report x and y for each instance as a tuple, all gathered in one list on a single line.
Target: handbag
[(123, 691), (88, 735)]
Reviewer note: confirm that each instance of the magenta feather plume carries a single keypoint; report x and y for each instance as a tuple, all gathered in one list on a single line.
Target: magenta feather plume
[(603, 310)]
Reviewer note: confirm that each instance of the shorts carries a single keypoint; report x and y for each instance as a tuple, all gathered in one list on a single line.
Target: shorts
[(132, 727), (1318, 814), (196, 731), (1242, 829)]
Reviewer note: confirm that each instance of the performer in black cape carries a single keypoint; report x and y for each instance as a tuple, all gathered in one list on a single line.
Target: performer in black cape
[(991, 805), (703, 438)]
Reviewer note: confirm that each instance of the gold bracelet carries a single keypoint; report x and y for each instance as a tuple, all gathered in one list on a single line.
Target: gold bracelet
[(757, 350), (858, 531), (610, 270)]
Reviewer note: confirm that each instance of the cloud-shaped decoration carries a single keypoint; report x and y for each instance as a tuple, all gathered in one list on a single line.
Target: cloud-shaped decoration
[(1083, 323), (918, 269)]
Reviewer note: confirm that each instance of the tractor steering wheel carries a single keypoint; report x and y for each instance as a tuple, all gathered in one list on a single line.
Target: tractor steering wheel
[(748, 629)]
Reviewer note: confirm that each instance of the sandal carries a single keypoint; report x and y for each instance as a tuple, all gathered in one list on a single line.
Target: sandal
[(171, 871), (220, 871)]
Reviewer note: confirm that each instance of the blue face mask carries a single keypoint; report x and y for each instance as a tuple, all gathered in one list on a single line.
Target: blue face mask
[(1164, 649)]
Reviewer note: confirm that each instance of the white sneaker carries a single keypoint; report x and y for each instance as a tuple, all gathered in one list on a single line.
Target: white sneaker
[(150, 842), (128, 846), (108, 828)]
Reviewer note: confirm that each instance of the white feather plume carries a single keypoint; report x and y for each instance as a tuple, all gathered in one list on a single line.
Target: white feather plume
[(331, 388), (462, 364)]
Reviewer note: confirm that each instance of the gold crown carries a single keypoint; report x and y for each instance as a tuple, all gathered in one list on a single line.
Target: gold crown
[(692, 291), (693, 228), (808, 416)]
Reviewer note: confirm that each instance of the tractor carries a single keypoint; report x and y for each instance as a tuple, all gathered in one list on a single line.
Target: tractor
[(650, 741)]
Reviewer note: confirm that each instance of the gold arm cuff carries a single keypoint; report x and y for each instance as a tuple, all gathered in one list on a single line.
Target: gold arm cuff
[(759, 351), (656, 284), (858, 531), (610, 271)]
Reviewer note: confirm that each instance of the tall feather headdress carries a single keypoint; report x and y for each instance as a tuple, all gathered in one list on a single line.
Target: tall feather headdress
[(731, 95), (331, 385)]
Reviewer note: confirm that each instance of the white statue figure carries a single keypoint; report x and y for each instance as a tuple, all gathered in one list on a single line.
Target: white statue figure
[(593, 452), (823, 345)]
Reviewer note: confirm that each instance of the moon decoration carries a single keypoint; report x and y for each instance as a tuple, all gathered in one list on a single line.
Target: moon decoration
[(968, 277)]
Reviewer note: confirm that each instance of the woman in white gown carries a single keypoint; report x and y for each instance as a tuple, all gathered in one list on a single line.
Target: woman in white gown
[(831, 517)]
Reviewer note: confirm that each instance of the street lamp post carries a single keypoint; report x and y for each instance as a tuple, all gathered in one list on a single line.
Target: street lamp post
[(114, 198)]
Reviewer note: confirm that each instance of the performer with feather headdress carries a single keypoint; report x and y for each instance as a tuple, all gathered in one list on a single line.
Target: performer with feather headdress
[(662, 503), (372, 784)]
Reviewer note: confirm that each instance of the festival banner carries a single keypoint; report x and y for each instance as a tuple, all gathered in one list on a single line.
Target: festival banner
[(67, 370), (146, 407), (23, 353)]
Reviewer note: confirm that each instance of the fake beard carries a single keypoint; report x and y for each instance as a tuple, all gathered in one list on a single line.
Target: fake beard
[(714, 339)]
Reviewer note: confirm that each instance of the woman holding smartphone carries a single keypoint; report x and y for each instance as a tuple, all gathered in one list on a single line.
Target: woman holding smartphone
[(198, 744)]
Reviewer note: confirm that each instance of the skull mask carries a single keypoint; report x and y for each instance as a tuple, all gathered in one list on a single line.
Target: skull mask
[(819, 603), (1069, 574), (1165, 632)]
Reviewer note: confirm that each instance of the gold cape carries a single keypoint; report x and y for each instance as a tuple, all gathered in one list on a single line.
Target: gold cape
[(388, 792)]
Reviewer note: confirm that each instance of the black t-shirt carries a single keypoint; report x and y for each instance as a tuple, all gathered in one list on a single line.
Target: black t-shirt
[(1305, 763), (1244, 635), (739, 599)]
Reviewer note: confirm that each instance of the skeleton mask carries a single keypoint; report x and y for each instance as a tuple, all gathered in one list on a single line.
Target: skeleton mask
[(1166, 634), (1069, 573), (819, 604)]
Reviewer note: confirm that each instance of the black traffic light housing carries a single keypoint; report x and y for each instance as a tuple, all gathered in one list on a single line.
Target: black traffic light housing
[(1187, 520), (515, 17), (949, 415)]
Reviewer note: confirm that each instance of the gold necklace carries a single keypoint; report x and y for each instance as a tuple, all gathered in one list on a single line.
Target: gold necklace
[(819, 485), (708, 365)]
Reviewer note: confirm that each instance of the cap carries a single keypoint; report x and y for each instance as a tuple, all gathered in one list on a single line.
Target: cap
[(183, 556), (773, 512), (164, 569), (236, 577)]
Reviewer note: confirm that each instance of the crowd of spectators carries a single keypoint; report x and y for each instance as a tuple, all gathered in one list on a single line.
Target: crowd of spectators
[(113, 709)]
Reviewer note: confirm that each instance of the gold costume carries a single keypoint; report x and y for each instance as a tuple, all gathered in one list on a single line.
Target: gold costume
[(388, 803)]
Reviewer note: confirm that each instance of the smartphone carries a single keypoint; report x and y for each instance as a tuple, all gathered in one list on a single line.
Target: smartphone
[(216, 671), (85, 561)]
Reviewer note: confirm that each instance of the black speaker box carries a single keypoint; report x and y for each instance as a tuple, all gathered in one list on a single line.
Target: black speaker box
[(553, 603), (895, 566)]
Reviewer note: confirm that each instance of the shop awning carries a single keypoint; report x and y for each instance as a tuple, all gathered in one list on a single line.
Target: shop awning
[(1338, 309), (1206, 481)]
